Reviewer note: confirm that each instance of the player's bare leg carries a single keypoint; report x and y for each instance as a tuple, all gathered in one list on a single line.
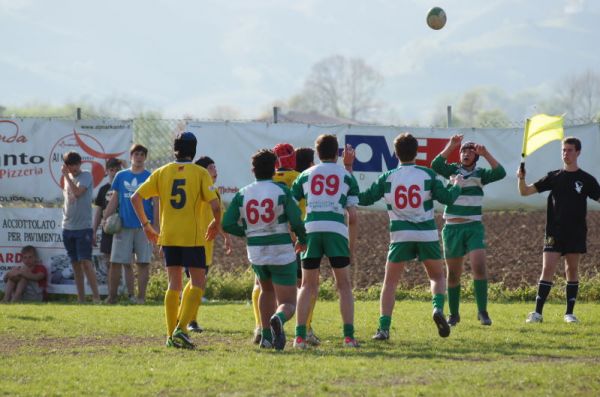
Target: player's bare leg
[(286, 306), (387, 299), (310, 287), (437, 280), (344, 286)]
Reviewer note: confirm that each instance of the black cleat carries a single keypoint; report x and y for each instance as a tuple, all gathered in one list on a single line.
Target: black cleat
[(194, 327), (382, 334), (441, 323), (484, 318), (453, 320), (277, 332)]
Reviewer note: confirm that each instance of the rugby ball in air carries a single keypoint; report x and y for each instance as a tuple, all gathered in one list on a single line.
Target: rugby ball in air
[(436, 18)]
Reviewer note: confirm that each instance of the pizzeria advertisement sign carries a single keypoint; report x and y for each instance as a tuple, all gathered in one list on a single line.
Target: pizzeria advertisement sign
[(31, 154)]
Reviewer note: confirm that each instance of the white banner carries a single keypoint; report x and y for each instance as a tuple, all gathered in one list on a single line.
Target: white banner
[(231, 146), (41, 227), (32, 149)]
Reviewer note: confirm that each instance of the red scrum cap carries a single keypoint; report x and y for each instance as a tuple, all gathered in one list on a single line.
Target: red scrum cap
[(286, 156)]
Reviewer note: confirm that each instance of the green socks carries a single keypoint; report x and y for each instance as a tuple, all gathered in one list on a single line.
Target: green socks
[(281, 316), (453, 299), (266, 334), (348, 330), (385, 322), (481, 294), (301, 331), (438, 301)]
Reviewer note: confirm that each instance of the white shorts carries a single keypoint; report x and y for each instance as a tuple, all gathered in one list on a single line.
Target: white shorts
[(128, 242)]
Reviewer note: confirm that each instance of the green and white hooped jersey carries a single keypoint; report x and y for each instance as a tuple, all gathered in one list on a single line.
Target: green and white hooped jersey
[(261, 210), (328, 189), (469, 204), (409, 191)]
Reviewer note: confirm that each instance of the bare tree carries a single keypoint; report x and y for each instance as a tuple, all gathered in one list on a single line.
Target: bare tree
[(340, 87), (580, 96)]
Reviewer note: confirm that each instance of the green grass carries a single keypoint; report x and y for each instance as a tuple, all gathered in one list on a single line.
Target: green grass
[(66, 349)]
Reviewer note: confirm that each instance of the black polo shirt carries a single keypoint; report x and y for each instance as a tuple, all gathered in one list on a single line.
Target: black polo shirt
[(567, 202)]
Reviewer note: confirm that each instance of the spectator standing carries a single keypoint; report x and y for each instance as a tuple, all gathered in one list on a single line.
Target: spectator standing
[(77, 223), (113, 166), (131, 239)]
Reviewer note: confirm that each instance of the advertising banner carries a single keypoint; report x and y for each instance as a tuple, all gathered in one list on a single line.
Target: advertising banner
[(32, 148), (231, 145), (41, 228)]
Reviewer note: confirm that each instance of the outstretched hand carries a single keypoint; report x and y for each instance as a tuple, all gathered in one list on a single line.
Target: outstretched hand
[(348, 156), (457, 180), (151, 233), (456, 140), (481, 150), (214, 228)]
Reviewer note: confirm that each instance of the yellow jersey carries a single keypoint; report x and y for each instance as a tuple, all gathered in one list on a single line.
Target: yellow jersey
[(182, 187), (288, 177), (206, 217)]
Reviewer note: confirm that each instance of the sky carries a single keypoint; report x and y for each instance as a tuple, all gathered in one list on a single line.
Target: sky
[(189, 57)]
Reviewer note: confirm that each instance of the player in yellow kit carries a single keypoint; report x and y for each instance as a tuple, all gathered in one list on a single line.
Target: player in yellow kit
[(181, 186), (206, 218)]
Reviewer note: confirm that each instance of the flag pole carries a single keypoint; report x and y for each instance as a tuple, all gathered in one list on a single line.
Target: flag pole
[(522, 165)]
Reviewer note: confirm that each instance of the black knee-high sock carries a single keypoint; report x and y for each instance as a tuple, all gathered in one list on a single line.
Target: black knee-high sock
[(572, 289), (543, 291)]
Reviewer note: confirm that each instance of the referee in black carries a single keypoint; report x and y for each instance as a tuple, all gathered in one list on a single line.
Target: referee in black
[(566, 229)]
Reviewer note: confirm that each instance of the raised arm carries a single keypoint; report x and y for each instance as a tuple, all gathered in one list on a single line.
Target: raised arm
[(524, 188)]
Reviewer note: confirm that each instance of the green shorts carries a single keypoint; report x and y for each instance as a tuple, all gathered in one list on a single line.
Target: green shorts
[(407, 251), (279, 274), (461, 238), (325, 243)]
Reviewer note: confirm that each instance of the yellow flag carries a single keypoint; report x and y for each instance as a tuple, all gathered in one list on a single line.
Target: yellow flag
[(539, 130)]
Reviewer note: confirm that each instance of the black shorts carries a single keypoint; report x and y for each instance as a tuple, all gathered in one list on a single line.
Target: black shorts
[(568, 243), (337, 262), (299, 262), (106, 243), (185, 256)]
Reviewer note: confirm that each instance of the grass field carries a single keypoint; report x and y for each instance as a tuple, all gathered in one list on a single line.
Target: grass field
[(63, 349)]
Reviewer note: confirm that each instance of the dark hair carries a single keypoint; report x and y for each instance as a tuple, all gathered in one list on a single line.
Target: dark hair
[(327, 146), (72, 158), (305, 157), (136, 147), (29, 249), (263, 164), (114, 162), (184, 146), (204, 161), (405, 146), (571, 140)]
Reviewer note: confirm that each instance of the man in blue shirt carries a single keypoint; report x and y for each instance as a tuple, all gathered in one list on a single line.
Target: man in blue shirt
[(131, 239)]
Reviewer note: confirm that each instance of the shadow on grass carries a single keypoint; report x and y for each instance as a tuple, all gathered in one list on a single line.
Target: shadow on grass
[(30, 318)]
